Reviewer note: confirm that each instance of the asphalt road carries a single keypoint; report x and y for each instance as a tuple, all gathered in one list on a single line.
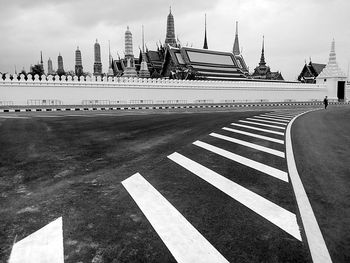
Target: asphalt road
[(72, 165)]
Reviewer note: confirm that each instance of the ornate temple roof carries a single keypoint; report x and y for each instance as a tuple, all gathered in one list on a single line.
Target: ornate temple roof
[(332, 69), (205, 64), (317, 67)]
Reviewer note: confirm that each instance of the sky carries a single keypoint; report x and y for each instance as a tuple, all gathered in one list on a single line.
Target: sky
[(294, 31)]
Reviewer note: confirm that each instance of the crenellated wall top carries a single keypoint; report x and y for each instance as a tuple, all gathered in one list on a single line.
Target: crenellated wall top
[(118, 81)]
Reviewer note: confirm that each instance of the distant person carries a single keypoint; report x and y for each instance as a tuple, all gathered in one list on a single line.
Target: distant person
[(325, 102)]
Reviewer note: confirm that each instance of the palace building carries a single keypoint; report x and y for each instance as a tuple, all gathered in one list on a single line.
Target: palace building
[(310, 72)]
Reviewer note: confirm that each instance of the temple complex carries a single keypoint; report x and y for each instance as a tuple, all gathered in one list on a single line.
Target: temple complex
[(171, 60), (262, 71)]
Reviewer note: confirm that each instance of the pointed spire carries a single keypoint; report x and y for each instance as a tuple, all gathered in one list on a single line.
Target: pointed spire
[(169, 9), (170, 31), (109, 52), (41, 57), (205, 45), (143, 40), (236, 50), (262, 58), (144, 72)]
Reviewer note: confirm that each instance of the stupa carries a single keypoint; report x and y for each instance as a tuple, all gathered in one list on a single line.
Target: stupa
[(333, 77)]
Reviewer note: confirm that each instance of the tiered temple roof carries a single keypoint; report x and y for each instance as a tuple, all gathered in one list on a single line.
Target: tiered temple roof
[(310, 72), (187, 63)]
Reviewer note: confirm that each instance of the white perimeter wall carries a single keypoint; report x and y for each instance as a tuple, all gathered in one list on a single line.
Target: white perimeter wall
[(122, 89)]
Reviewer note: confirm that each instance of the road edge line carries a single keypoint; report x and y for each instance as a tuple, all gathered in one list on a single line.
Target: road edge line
[(317, 245)]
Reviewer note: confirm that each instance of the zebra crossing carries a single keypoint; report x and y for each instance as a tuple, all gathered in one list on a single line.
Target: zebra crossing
[(272, 133)]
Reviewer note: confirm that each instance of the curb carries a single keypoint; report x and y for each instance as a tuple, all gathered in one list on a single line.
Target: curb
[(152, 107), (317, 245)]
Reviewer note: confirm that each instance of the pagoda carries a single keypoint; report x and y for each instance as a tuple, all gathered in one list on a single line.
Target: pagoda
[(130, 70)]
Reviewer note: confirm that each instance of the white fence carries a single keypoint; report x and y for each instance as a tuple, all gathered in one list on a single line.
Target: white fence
[(72, 91)]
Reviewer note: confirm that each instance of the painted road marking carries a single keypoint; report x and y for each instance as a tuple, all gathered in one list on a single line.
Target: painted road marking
[(13, 117), (276, 117), (272, 119), (267, 121), (185, 243), (262, 124), (280, 116), (245, 161), (248, 144), (254, 135), (317, 245), (44, 245), (257, 129), (265, 208)]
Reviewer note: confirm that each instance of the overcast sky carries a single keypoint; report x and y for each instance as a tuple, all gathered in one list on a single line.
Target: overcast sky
[(294, 30)]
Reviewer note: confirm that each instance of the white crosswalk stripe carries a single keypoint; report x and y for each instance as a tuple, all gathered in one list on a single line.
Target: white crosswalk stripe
[(257, 129), (270, 211), (276, 117), (254, 135), (245, 161), (262, 124), (184, 241), (248, 144), (44, 245), (280, 115), (267, 121), (272, 119)]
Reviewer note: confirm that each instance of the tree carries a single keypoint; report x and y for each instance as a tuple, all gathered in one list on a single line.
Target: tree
[(37, 69)]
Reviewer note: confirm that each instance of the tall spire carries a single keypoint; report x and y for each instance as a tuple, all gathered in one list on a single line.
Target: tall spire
[(144, 72), (143, 40), (236, 50), (128, 43), (170, 30), (205, 45), (262, 58), (41, 58), (110, 69), (97, 62), (78, 63)]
